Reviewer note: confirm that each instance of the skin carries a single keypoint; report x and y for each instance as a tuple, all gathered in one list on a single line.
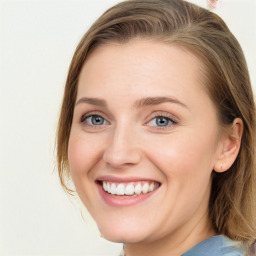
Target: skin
[(181, 155)]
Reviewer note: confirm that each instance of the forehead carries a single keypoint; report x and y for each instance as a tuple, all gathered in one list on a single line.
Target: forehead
[(144, 67)]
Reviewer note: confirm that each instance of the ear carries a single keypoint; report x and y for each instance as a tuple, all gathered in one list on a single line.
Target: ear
[(229, 146)]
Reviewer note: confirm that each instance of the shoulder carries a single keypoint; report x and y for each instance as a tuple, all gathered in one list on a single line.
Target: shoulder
[(217, 246)]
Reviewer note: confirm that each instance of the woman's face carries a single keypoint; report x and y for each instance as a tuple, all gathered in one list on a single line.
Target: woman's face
[(145, 131)]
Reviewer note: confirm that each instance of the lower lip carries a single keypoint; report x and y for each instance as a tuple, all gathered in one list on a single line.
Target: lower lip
[(119, 201)]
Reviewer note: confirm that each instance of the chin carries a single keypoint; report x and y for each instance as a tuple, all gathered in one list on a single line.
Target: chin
[(123, 235)]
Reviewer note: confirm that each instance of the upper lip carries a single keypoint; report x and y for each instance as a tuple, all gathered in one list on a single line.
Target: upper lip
[(124, 179)]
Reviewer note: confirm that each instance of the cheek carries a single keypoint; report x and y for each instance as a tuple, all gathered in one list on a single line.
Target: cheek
[(184, 155), (82, 153), (75, 155)]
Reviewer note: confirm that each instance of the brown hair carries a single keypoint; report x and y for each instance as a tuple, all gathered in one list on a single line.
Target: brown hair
[(232, 203)]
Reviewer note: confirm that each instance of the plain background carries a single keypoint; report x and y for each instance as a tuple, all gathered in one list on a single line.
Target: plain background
[(37, 40)]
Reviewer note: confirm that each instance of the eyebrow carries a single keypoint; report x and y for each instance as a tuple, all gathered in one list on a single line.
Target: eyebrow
[(144, 102), (151, 101), (93, 101)]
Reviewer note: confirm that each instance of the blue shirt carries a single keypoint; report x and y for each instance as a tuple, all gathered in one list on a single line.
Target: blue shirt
[(216, 246)]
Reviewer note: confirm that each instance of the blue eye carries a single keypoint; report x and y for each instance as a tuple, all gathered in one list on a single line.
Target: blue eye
[(94, 120), (161, 121)]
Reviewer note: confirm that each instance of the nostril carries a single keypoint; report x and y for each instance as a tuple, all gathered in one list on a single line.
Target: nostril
[(122, 148), (122, 157)]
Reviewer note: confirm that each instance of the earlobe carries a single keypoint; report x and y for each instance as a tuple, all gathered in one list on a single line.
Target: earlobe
[(230, 146)]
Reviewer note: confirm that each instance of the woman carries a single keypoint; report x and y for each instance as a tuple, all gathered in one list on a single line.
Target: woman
[(157, 131)]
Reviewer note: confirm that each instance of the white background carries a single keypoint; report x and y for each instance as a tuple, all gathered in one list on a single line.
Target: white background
[(37, 40)]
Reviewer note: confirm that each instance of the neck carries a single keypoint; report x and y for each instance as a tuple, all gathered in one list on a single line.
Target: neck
[(176, 243)]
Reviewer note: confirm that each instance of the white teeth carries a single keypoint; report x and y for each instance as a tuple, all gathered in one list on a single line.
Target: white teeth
[(108, 187), (151, 187), (129, 189), (145, 188), (120, 189), (138, 188), (105, 186), (113, 189)]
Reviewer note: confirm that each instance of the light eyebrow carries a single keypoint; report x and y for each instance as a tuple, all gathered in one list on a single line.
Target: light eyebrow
[(151, 101), (93, 101)]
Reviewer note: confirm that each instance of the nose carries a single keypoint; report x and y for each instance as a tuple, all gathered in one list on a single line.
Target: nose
[(122, 149)]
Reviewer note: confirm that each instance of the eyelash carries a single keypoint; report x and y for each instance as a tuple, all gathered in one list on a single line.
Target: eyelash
[(171, 121), (87, 116)]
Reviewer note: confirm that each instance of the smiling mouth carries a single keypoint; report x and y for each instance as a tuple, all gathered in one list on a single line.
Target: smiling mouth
[(131, 189)]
